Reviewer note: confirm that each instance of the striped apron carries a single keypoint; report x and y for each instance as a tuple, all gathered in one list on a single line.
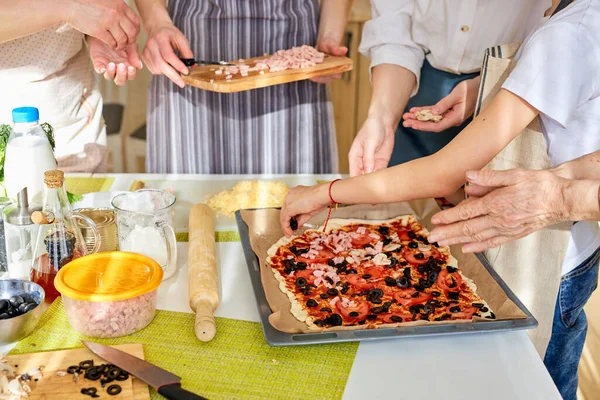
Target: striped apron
[(279, 129)]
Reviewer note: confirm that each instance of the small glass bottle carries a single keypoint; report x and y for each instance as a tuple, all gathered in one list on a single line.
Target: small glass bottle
[(21, 233), (59, 241)]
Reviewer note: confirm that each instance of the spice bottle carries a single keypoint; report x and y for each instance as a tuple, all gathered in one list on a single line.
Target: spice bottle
[(59, 240)]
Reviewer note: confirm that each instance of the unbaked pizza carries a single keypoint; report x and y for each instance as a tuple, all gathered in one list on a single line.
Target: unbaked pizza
[(372, 273)]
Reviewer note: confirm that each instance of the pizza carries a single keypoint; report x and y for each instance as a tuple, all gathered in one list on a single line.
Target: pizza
[(372, 273)]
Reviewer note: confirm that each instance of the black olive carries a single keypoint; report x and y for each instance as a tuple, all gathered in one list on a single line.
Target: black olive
[(301, 265), (335, 320), (344, 290), (477, 314), (393, 262), (396, 318), (412, 235), (326, 309), (293, 223), (5, 316), (492, 315), (29, 307), (301, 282), (477, 305), (376, 310), (366, 276), (384, 230), (422, 268), (402, 282), (438, 319), (377, 292), (324, 296), (312, 303), (414, 309), (331, 263), (353, 314), (451, 269), (418, 288), (425, 283), (428, 308), (435, 244), (293, 249), (419, 256), (387, 241), (413, 245), (332, 292), (319, 322), (362, 322), (432, 277), (453, 284), (453, 295), (352, 271), (114, 390), (329, 280), (375, 300), (415, 295), (4, 304), (310, 285), (446, 316), (371, 317), (435, 293), (86, 364), (406, 272), (16, 301), (484, 309), (302, 251), (73, 369), (404, 263), (440, 262), (123, 376), (454, 309), (389, 281)]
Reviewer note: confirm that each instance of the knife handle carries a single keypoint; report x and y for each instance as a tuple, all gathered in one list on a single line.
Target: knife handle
[(176, 392)]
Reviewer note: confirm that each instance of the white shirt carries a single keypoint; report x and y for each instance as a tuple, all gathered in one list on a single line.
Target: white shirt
[(51, 70), (452, 34), (558, 73)]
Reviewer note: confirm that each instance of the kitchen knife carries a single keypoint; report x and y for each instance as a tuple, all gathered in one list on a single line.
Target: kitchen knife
[(189, 62), (165, 383)]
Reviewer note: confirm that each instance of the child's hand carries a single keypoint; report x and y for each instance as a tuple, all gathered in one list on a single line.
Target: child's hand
[(455, 108), (302, 203)]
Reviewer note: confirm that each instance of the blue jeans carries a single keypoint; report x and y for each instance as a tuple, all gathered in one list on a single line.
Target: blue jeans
[(570, 325), (434, 86)]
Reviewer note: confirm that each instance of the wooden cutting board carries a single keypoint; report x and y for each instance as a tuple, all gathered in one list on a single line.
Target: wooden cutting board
[(52, 386), (201, 76)]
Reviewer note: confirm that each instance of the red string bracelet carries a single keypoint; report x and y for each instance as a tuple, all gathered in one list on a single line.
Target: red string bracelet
[(333, 203)]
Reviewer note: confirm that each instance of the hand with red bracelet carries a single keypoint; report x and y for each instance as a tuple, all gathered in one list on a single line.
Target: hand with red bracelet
[(304, 202)]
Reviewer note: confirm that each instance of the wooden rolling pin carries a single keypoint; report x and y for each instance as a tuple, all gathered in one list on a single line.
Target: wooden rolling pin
[(203, 284)]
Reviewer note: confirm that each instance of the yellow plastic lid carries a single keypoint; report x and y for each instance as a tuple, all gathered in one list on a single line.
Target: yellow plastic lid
[(109, 276)]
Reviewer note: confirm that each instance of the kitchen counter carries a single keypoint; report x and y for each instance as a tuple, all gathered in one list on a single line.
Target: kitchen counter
[(501, 365)]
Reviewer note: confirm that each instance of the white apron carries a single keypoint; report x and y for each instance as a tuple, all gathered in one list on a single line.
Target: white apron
[(51, 70), (531, 266)]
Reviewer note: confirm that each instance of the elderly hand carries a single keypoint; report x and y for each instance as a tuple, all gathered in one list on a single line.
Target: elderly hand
[(116, 65), (302, 203), (515, 203), (111, 21), (331, 47), (372, 147), (456, 108), (159, 53)]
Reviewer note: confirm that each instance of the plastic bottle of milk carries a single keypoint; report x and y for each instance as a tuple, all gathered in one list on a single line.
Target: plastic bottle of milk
[(28, 155)]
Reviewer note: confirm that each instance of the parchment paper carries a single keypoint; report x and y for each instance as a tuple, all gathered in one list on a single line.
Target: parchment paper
[(264, 230)]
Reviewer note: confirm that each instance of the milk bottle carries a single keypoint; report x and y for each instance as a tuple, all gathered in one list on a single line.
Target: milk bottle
[(28, 155)]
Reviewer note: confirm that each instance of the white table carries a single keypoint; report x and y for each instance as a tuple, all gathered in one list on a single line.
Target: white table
[(503, 365)]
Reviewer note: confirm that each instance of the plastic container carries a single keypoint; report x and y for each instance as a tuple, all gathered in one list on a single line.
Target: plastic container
[(110, 294)]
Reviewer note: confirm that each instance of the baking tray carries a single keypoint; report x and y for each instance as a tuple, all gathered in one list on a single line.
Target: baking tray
[(278, 338)]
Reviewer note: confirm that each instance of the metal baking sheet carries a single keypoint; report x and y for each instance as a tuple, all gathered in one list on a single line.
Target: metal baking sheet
[(278, 338)]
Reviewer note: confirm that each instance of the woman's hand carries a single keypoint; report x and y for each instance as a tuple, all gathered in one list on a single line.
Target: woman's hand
[(372, 147), (116, 65), (331, 47), (111, 21), (456, 108), (159, 54), (302, 203)]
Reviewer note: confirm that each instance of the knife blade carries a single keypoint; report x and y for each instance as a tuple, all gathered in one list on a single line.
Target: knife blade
[(191, 62), (165, 383)]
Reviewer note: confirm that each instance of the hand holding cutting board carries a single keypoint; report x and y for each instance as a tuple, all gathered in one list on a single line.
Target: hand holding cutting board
[(203, 284)]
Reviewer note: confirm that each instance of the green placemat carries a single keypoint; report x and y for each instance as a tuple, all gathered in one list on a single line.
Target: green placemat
[(220, 236), (82, 186), (236, 364)]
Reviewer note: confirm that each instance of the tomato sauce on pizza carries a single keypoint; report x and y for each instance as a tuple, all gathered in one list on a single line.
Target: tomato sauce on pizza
[(372, 274)]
